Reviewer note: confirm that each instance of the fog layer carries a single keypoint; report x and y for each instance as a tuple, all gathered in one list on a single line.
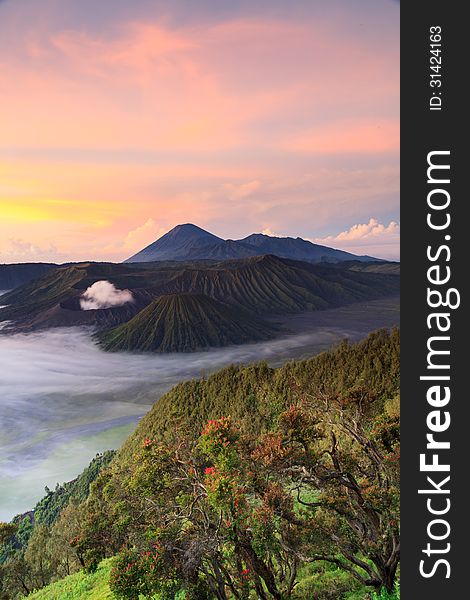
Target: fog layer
[(63, 399)]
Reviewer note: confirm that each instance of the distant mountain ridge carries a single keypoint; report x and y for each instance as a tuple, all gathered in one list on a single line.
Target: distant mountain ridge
[(190, 242), (14, 275), (183, 306)]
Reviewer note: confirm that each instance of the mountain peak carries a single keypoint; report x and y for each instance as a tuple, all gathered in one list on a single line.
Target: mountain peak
[(190, 242), (190, 229), (176, 244)]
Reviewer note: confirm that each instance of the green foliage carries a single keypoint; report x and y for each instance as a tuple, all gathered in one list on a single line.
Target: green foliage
[(145, 573), (226, 486), (327, 582), (48, 509), (20, 529), (94, 586), (37, 546), (7, 531), (37, 556), (79, 586), (385, 595), (253, 483), (256, 394)]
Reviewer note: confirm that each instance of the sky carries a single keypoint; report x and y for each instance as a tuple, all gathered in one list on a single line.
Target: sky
[(120, 120)]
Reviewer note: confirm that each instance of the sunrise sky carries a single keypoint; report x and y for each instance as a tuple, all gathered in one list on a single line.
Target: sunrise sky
[(121, 119)]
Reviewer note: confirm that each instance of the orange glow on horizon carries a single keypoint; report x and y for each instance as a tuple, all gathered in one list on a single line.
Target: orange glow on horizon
[(110, 138)]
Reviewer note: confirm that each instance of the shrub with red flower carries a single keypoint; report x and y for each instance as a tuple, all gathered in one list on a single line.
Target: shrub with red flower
[(142, 572), (218, 441)]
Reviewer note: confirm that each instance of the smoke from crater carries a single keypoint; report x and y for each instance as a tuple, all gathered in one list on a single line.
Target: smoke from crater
[(103, 294)]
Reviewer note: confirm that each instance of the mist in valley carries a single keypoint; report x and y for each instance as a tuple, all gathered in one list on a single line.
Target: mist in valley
[(63, 399)]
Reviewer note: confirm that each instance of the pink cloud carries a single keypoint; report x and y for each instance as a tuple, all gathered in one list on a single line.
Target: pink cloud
[(224, 124), (365, 136), (227, 85), (19, 250), (242, 190)]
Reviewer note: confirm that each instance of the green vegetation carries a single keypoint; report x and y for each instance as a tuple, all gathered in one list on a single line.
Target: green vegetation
[(185, 323), (34, 548), (230, 515), (79, 586), (48, 509), (385, 595), (252, 484), (254, 395), (269, 284)]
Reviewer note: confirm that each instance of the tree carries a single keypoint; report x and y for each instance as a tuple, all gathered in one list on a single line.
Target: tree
[(339, 455), (37, 556), (7, 531), (15, 577), (198, 522), (65, 551)]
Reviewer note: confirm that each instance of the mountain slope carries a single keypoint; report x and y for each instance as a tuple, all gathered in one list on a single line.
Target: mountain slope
[(269, 284), (190, 242), (255, 394), (181, 243), (298, 249), (40, 294), (53, 300), (387, 268), (185, 323), (262, 286)]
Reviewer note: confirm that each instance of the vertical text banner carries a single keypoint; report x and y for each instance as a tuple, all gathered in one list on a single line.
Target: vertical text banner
[(435, 321)]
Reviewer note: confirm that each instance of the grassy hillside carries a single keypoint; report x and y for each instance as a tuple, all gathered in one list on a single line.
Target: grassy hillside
[(316, 582), (79, 586), (185, 323), (43, 293), (216, 457)]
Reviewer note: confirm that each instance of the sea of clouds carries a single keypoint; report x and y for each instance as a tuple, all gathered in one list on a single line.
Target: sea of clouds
[(63, 399)]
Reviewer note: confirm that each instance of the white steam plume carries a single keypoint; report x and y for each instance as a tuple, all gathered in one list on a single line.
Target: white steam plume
[(103, 294)]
